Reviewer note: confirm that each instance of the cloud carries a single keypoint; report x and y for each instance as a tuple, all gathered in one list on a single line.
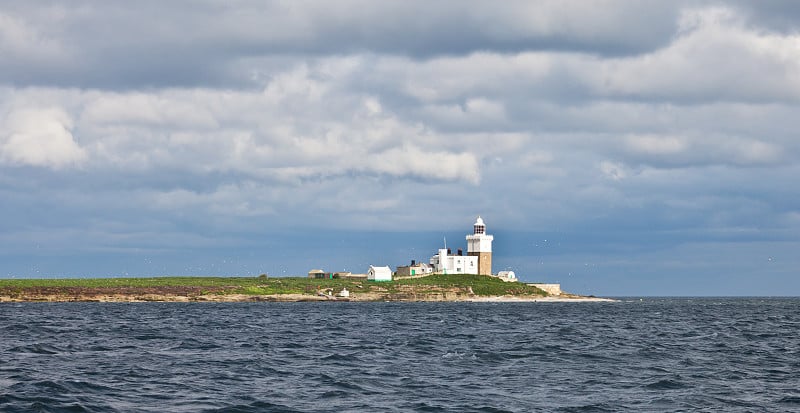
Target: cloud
[(613, 170), (40, 137), (302, 126), (679, 51), (414, 162), (153, 110), (158, 45), (474, 114), (23, 40), (656, 145), (714, 56), (239, 200), (691, 150)]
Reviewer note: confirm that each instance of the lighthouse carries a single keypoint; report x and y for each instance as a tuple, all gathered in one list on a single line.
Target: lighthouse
[(479, 244)]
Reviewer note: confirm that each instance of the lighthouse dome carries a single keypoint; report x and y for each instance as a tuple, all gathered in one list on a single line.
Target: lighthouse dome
[(479, 227)]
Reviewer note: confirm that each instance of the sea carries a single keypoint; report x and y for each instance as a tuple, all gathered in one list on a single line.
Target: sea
[(633, 355)]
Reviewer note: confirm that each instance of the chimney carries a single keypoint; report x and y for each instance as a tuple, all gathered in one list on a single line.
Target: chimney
[(413, 262), (460, 252), (449, 251)]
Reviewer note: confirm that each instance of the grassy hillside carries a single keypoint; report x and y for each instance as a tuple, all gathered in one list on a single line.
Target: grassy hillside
[(479, 285)]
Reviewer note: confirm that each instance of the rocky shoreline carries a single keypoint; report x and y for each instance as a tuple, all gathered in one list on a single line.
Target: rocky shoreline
[(232, 298)]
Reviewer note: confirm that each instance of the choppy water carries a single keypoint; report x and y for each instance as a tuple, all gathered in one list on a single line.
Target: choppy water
[(723, 355)]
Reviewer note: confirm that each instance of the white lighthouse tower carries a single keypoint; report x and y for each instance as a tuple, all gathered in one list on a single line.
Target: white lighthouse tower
[(479, 244)]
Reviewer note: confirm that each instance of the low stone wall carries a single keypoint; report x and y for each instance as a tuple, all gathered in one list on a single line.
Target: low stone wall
[(354, 277), (411, 277), (552, 289)]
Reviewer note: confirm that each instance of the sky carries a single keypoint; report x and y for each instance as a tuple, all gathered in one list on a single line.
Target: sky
[(615, 147)]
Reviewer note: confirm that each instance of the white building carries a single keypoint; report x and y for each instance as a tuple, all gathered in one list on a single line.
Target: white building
[(507, 275), (416, 268), (379, 273), (454, 264)]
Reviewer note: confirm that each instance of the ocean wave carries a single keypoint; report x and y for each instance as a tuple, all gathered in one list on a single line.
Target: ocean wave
[(657, 355)]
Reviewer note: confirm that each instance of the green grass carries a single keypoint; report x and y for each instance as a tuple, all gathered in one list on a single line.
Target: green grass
[(481, 285), (219, 285), (131, 282)]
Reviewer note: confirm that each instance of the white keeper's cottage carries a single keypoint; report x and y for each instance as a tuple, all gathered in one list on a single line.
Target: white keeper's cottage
[(379, 273)]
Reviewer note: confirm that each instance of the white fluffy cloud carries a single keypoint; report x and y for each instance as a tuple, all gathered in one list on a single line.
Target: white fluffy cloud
[(412, 161), (714, 56), (40, 137), (302, 125)]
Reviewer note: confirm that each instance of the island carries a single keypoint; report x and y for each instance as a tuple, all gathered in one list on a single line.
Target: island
[(433, 287), (448, 276)]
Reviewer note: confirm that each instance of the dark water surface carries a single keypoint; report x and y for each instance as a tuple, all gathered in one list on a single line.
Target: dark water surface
[(725, 355)]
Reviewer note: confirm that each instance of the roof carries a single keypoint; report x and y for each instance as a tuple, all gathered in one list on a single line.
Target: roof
[(417, 265), (479, 221)]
